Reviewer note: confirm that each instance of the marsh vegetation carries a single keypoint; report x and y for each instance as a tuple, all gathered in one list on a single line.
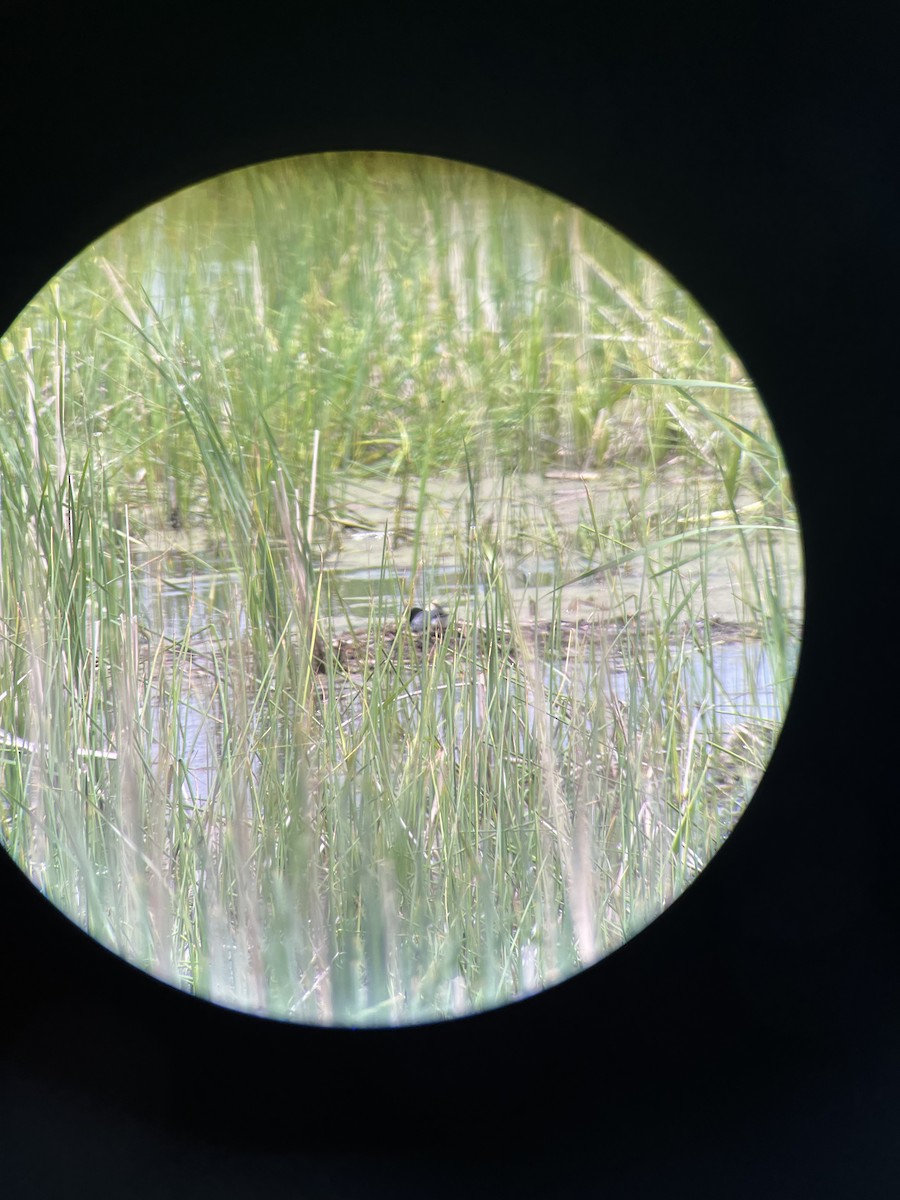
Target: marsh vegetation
[(242, 435)]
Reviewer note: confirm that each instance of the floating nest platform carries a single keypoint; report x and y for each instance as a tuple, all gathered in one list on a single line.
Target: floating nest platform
[(355, 654), (359, 653), (399, 644)]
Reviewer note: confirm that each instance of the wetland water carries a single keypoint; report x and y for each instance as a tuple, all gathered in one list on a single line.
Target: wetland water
[(732, 684), (724, 673)]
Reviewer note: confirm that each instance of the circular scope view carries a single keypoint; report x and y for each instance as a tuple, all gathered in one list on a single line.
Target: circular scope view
[(400, 590)]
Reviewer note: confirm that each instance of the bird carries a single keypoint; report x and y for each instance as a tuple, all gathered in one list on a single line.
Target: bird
[(436, 618)]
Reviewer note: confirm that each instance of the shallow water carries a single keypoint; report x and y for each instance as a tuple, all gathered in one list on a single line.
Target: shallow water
[(730, 682)]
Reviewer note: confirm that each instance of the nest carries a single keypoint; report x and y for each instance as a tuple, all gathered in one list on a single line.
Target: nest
[(355, 654), (552, 639), (400, 644)]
